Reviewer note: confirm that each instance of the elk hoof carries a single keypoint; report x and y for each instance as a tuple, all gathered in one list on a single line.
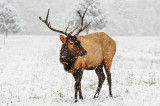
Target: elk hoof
[(81, 97), (110, 95), (75, 101), (96, 96)]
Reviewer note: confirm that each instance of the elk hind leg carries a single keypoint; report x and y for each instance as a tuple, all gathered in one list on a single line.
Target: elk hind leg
[(107, 66), (101, 78)]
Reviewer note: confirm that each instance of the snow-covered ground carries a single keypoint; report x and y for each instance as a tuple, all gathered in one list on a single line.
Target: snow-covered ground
[(31, 74)]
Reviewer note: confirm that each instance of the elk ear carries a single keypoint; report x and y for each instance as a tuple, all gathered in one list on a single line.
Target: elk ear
[(63, 39)]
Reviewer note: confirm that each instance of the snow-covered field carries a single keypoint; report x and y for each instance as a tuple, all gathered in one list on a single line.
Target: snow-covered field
[(31, 74)]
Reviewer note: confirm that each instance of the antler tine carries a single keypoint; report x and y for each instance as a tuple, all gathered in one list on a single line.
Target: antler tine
[(74, 30), (82, 18), (47, 16), (66, 29), (50, 27), (46, 20), (86, 26), (85, 12)]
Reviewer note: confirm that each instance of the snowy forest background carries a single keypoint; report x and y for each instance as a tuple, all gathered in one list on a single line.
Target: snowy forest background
[(123, 17)]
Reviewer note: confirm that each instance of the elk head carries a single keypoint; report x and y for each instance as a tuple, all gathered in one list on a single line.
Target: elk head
[(71, 47)]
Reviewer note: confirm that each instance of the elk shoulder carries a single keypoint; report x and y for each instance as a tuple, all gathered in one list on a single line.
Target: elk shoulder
[(99, 47)]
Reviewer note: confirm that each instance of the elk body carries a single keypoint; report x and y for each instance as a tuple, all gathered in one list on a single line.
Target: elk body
[(89, 52)]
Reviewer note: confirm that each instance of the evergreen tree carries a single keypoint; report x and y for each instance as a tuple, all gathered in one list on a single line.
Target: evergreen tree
[(9, 21)]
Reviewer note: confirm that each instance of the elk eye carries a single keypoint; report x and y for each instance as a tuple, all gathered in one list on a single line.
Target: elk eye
[(71, 43)]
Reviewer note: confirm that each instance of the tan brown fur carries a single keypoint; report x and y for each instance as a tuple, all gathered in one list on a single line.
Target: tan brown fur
[(100, 48)]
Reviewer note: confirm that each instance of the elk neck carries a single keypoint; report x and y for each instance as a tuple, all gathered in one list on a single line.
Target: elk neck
[(66, 58)]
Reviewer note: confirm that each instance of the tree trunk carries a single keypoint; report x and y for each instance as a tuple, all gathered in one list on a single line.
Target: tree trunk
[(4, 39), (6, 34)]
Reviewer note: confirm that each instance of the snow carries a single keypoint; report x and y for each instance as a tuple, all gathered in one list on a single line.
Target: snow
[(31, 74)]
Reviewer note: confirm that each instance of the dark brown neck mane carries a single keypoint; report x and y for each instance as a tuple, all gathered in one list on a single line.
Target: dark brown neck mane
[(66, 58)]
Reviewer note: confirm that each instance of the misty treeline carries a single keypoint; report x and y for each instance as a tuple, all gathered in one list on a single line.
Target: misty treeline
[(115, 17), (134, 17)]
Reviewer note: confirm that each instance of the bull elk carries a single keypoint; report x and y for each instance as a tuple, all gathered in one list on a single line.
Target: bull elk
[(90, 52)]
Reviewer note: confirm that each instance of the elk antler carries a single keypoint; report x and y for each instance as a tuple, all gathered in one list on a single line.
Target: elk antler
[(50, 27), (82, 18), (73, 30)]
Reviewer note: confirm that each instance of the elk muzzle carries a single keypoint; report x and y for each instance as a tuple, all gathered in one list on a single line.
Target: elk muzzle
[(85, 52)]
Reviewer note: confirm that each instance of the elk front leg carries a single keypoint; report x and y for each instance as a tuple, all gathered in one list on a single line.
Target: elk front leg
[(78, 76), (101, 78)]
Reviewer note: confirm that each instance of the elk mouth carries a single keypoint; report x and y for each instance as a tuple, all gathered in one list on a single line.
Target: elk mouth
[(85, 52)]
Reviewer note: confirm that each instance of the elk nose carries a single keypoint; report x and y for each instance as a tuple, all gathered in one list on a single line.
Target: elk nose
[(85, 52)]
